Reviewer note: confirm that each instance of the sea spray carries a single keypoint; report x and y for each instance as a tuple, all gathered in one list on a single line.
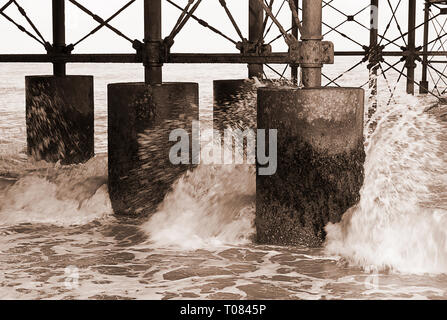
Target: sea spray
[(54, 194), (400, 223), (212, 205)]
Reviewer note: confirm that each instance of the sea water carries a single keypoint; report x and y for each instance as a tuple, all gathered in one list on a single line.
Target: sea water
[(60, 240)]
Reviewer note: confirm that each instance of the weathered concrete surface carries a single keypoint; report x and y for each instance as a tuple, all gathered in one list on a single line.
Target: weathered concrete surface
[(60, 118), (320, 162), (141, 118)]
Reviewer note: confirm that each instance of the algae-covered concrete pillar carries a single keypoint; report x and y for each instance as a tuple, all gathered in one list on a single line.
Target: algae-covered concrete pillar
[(141, 118), (59, 108), (320, 151), (320, 162), (59, 118)]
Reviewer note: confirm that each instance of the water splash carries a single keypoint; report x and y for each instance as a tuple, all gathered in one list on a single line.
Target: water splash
[(213, 205), (54, 194), (400, 222), (210, 206)]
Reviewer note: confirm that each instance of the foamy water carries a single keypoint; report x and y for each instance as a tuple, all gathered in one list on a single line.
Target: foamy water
[(47, 193), (207, 208), (400, 221), (55, 220)]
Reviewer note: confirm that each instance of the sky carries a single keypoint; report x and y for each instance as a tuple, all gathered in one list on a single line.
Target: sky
[(193, 38)]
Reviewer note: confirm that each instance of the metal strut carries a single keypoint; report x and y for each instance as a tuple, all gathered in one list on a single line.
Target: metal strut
[(153, 44), (59, 68)]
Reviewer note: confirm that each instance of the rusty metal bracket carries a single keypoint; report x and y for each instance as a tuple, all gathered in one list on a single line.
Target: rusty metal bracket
[(152, 53), (311, 53), (251, 49), (411, 56)]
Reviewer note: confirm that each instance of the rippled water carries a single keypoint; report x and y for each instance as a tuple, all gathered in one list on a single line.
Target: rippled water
[(59, 239)]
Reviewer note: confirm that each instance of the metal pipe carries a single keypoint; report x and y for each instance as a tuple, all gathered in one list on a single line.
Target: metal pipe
[(312, 32), (294, 67), (152, 39), (411, 45), (373, 41), (373, 63), (423, 88), (59, 68), (255, 34)]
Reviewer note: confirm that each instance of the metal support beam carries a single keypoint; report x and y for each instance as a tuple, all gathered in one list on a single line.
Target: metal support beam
[(411, 65), (312, 36), (59, 68), (294, 67), (234, 58), (373, 63), (152, 42), (255, 34), (423, 87)]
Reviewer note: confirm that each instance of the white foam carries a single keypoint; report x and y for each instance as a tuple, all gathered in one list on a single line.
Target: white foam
[(210, 206), (58, 195), (401, 220)]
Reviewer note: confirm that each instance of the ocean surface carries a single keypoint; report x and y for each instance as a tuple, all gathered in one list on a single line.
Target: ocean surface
[(60, 240)]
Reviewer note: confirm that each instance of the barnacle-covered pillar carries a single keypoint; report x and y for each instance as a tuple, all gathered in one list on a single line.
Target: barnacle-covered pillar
[(320, 152), (59, 118), (141, 118), (59, 108)]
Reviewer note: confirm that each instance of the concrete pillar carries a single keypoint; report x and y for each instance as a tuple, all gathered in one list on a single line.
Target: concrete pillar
[(141, 117), (60, 118), (320, 162)]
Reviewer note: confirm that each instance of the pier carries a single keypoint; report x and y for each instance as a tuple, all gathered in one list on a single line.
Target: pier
[(320, 122)]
